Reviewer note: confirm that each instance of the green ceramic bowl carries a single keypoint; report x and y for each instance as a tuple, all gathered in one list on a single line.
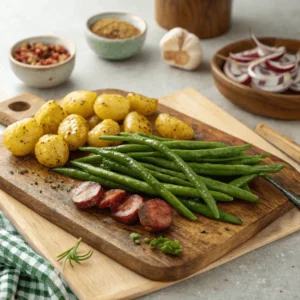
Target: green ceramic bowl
[(116, 49)]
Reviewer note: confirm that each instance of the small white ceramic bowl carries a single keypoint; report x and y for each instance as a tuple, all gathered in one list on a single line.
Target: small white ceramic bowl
[(116, 49), (44, 76)]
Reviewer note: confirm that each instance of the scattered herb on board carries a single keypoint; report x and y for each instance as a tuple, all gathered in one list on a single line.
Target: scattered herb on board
[(135, 237), (147, 240), (72, 254), (114, 29), (166, 245)]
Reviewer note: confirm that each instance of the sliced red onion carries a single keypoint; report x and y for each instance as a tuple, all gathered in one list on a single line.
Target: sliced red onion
[(280, 67), (275, 85), (236, 72), (245, 56), (262, 48), (255, 65)]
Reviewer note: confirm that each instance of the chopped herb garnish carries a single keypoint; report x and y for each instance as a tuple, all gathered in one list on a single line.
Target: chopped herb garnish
[(135, 237), (146, 240), (166, 245)]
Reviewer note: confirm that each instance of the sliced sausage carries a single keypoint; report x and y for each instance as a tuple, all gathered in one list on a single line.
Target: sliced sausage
[(87, 194), (111, 198), (156, 215), (126, 212)]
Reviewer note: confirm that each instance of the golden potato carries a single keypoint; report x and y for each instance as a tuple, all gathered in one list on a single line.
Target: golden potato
[(135, 122), (49, 116), (93, 121), (106, 127), (142, 104), (111, 106), (20, 137), (74, 129), (52, 151), (79, 103), (171, 127)]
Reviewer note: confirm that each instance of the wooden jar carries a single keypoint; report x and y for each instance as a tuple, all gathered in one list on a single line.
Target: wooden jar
[(205, 18)]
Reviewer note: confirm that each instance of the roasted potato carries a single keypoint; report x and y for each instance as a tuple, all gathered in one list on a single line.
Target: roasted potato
[(142, 104), (112, 106), (79, 103), (135, 122), (52, 151), (93, 121), (74, 129), (49, 116), (171, 127), (106, 127), (21, 137)]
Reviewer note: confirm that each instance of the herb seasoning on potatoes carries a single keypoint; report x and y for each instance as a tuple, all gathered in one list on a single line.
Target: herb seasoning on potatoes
[(83, 117)]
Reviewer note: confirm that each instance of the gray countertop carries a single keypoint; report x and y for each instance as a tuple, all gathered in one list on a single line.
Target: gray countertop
[(271, 272)]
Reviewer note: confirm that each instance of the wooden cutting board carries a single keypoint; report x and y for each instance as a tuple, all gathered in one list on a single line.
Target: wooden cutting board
[(131, 284)]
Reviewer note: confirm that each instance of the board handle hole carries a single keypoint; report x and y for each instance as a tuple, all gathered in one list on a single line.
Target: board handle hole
[(19, 106)]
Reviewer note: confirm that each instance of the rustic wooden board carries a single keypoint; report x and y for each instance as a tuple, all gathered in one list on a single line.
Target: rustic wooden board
[(111, 238), (113, 281)]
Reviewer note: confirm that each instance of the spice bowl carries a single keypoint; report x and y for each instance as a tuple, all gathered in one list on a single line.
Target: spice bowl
[(44, 76), (285, 106), (116, 49)]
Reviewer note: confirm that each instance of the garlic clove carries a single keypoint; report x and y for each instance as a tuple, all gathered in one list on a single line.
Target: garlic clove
[(181, 49)]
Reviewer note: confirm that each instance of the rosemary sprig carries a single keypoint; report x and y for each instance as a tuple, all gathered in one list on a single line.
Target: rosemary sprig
[(71, 254)]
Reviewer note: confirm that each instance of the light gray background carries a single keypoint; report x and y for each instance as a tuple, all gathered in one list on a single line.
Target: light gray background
[(272, 272)]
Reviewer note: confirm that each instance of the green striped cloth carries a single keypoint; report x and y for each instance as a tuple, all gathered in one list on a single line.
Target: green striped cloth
[(23, 273)]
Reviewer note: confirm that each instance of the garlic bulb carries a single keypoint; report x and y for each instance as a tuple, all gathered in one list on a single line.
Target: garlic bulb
[(181, 49)]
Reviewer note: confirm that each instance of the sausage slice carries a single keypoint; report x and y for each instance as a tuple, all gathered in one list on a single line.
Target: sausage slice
[(87, 194), (111, 198), (126, 212), (156, 215)]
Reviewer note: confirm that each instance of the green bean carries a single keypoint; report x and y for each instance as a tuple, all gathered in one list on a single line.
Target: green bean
[(164, 171), (151, 136), (190, 174), (205, 211), (251, 160), (241, 181), (81, 175), (127, 148), (184, 154), (90, 159), (158, 187), (212, 184), (242, 158), (193, 145), (246, 187), (188, 192), (117, 167), (216, 169)]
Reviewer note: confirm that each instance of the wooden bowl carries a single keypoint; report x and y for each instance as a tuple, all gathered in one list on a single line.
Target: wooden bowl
[(284, 106)]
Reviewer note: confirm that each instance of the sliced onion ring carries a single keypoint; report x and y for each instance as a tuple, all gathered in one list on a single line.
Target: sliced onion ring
[(245, 56), (275, 85), (262, 48), (235, 72), (255, 64)]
